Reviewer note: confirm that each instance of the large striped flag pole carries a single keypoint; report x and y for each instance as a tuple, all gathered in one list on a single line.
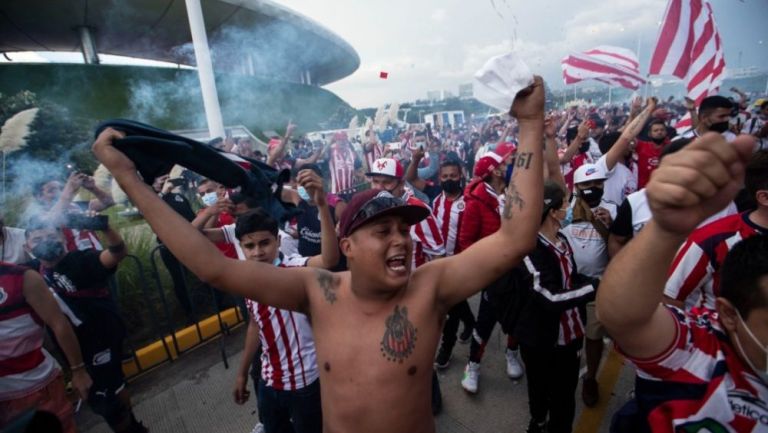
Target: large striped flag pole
[(689, 47)]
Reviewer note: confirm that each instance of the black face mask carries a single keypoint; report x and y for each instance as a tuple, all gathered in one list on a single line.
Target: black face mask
[(719, 127), (584, 146), (592, 196), (451, 186), (658, 140), (48, 250)]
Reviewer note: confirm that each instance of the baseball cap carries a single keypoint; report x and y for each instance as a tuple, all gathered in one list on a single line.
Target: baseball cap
[(491, 160), (589, 172), (371, 204), (386, 167)]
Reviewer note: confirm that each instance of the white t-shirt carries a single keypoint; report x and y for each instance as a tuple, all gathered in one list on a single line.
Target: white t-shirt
[(590, 250), (620, 182), (12, 250)]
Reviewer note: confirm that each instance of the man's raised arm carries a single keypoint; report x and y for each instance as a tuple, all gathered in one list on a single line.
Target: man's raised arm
[(486, 260), (689, 186), (282, 288)]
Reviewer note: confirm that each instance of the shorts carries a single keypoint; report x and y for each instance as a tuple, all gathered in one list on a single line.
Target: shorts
[(50, 398), (594, 329)]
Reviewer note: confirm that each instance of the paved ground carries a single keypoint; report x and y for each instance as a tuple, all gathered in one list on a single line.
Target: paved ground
[(193, 394)]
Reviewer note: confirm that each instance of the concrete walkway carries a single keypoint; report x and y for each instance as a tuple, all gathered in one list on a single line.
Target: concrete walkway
[(194, 394)]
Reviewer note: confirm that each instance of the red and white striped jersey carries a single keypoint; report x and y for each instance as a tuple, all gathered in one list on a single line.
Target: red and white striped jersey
[(342, 166), (427, 240), (447, 213), (25, 366), (699, 384), (288, 358), (694, 276), (571, 323)]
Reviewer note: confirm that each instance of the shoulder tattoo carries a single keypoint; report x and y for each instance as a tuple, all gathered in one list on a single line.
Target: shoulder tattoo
[(399, 338), (325, 280)]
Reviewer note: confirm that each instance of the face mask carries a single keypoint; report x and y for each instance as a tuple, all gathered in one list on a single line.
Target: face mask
[(451, 186), (508, 175), (209, 199), (276, 262), (592, 196), (509, 139), (719, 127), (303, 194), (762, 373), (658, 140), (584, 146), (48, 250), (565, 222)]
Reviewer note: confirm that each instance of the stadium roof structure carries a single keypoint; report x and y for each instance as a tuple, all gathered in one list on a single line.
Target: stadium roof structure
[(253, 37)]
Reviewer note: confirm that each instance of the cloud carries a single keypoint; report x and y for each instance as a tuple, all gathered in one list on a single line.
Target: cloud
[(439, 15)]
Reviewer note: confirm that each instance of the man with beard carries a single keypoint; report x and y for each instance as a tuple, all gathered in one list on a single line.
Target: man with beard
[(649, 152), (714, 115), (376, 326)]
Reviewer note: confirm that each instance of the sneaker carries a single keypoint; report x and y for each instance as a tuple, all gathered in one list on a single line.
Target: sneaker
[(471, 375), (443, 358), (514, 366), (465, 335), (590, 392), (536, 427), (258, 429)]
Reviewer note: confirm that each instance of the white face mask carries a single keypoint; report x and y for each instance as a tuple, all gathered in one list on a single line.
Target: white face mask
[(209, 199), (762, 373)]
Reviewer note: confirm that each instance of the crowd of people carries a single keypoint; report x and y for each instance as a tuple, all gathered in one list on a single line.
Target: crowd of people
[(573, 226)]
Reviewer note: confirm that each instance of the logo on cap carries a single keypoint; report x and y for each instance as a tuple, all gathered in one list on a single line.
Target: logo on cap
[(591, 171), (381, 164)]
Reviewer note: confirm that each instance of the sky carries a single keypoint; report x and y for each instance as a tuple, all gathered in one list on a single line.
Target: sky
[(439, 44)]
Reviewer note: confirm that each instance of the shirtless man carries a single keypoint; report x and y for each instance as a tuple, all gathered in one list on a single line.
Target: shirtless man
[(376, 326)]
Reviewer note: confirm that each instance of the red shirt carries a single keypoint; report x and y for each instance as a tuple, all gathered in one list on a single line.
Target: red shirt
[(648, 155)]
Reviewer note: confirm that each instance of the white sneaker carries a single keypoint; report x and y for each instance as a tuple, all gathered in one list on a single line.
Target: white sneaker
[(514, 366), (258, 429), (471, 375)]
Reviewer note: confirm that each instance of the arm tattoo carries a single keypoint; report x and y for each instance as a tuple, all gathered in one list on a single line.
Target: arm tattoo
[(325, 280), (523, 160), (512, 198), (399, 337)]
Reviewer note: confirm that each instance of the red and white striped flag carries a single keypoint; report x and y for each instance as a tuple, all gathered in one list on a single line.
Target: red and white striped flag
[(615, 66), (689, 47)]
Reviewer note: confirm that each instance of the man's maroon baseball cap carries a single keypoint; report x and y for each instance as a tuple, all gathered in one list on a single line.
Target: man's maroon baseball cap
[(372, 204)]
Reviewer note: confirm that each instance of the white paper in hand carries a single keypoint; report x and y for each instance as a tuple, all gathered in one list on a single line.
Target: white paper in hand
[(500, 79)]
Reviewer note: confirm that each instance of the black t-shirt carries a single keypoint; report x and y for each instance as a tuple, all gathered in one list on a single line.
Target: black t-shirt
[(81, 281), (622, 225), (308, 225)]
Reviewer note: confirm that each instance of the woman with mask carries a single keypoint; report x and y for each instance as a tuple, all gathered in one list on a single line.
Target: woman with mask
[(546, 316), (588, 234)]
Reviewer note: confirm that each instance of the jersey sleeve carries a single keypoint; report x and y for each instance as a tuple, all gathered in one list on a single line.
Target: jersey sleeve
[(690, 270), (622, 225), (547, 286)]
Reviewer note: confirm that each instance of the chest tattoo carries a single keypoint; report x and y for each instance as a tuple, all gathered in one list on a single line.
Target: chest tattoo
[(399, 337)]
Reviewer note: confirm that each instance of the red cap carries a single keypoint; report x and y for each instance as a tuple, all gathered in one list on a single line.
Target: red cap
[(372, 204), (492, 160)]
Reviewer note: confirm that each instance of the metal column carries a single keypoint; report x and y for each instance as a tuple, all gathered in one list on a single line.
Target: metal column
[(205, 69)]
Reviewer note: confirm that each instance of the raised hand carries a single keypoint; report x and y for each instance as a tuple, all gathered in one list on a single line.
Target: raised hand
[(529, 103), (690, 104), (699, 180), (114, 160), (313, 184)]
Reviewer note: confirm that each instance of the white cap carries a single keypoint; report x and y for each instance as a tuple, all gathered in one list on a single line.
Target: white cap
[(588, 172), (386, 167)]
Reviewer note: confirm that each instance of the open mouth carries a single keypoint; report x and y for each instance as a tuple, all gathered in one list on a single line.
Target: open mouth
[(397, 264)]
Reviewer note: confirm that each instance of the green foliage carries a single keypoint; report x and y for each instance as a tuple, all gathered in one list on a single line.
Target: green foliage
[(12, 104)]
